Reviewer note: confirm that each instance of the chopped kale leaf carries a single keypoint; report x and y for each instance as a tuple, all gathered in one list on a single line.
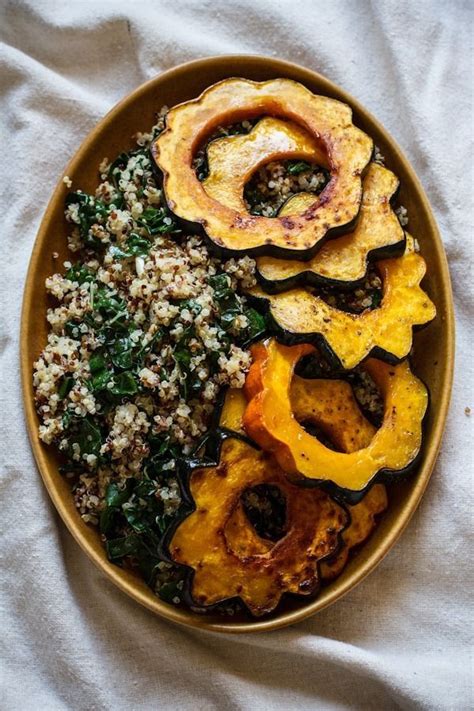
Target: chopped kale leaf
[(295, 167)]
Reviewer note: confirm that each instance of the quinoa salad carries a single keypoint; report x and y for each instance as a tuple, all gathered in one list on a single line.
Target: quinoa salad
[(148, 327)]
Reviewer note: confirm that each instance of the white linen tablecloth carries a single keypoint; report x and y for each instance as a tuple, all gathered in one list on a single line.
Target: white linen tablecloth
[(69, 639)]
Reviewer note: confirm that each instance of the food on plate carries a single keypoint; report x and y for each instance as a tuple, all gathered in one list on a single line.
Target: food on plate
[(327, 121), (343, 261), (227, 557), (384, 329), (231, 160), (269, 419), (226, 438), (363, 521)]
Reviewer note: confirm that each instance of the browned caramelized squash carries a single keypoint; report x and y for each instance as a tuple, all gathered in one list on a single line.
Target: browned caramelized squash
[(327, 121), (342, 261), (363, 521), (270, 420), (219, 544), (386, 331), (329, 404), (233, 159)]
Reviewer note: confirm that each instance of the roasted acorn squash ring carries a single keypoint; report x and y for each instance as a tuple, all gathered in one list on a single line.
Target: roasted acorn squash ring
[(330, 404), (342, 262), (363, 519), (216, 541), (384, 332), (270, 421), (327, 403), (232, 159), (328, 121)]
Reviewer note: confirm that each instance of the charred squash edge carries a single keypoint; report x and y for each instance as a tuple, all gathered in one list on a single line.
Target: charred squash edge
[(216, 244), (211, 456), (211, 459), (262, 302), (312, 278), (384, 476), (334, 565)]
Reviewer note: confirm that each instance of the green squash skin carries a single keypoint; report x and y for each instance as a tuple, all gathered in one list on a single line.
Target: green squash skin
[(349, 497), (212, 449), (346, 497), (310, 278), (185, 469), (262, 250), (287, 338), (383, 476), (225, 253)]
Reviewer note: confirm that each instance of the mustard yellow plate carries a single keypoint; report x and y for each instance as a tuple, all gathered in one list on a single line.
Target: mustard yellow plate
[(434, 346)]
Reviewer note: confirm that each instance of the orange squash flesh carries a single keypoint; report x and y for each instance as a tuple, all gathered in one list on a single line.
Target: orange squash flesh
[(233, 159), (329, 404), (388, 329), (270, 421), (322, 402), (343, 260), (327, 121), (212, 540), (363, 521), (232, 411)]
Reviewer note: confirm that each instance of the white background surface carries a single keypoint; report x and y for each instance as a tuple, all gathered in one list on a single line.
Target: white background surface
[(69, 639)]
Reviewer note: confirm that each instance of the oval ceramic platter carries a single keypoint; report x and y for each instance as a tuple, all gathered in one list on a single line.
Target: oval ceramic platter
[(432, 358)]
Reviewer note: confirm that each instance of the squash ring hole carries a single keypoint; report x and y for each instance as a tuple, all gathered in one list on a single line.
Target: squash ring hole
[(368, 396), (365, 296), (344, 412), (317, 431), (265, 508), (272, 185)]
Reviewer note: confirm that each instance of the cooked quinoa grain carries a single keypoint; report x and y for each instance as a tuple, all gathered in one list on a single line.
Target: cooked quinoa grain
[(365, 296), (275, 183), (402, 214), (146, 329)]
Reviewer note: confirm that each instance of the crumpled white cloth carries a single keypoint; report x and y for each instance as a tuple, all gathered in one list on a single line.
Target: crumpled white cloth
[(70, 640)]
